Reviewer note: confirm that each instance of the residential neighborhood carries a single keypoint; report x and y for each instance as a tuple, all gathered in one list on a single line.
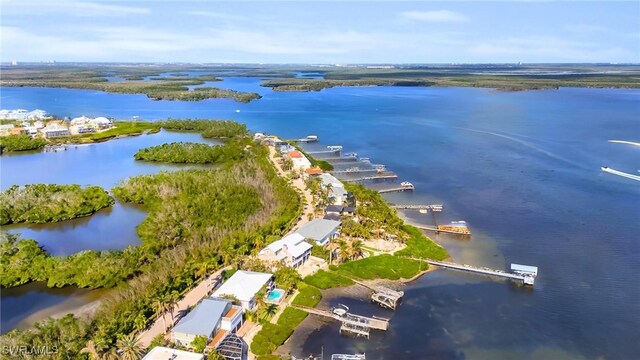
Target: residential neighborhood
[(38, 124)]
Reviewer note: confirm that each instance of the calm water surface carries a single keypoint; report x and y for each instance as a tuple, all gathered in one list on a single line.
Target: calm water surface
[(521, 168)]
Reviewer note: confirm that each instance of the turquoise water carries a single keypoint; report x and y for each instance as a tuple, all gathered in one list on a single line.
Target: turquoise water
[(522, 168), (275, 295)]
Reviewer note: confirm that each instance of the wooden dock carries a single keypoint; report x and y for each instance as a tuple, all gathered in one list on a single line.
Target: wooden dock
[(434, 208), (435, 228), (352, 323), (524, 278), (373, 177), (382, 295)]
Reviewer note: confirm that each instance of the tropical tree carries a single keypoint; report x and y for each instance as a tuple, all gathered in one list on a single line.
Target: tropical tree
[(111, 354), (343, 250), (172, 302), (199, 343), (160, 307), (94, 352), (287, 278), (269, 311), (129, 347), (357, 249)]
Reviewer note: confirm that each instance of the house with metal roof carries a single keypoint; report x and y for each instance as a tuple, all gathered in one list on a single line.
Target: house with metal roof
[(244, 285), (337, 192), (320, 230), (292, 250), (212, 318)]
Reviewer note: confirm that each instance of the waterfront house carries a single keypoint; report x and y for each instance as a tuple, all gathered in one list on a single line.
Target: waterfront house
[(337, 192), (165, 353), (101, 123), (55, 130), (292, 250), (212, 318), (320, 230), (300, 162), (334, 209), (244, 285), (79, 121)]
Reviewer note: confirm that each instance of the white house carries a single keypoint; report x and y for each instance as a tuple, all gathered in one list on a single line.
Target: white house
[(55, 130), (165, 353), (101, 122), (291, 249), (300, 162), (79, 120), (337, 193), (244, 285), (212, 318), (320, 230)]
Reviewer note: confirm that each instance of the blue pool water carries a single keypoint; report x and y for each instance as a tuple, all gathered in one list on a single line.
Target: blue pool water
[(275, 295)]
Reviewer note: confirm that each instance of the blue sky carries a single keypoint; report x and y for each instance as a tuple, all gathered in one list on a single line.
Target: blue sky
[(320, 32)]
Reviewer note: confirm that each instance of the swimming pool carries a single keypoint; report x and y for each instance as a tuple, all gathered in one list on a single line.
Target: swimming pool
[(275, 295)]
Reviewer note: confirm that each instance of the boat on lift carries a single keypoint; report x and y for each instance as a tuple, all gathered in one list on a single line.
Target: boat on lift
[(340, 310), (407, 185)]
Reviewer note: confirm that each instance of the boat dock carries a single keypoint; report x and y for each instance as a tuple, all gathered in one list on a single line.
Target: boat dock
[(351, 323), (620, 173), (388, 175), (436, 229), (434, 208), (382, 295), (522, 273), (355, 171), (388, 187)]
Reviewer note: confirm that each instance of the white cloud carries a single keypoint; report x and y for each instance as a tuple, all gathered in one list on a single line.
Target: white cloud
[(434, 16), (69, 7)]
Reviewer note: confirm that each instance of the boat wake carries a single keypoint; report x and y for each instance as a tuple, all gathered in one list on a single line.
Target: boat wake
[(524, 143), (624, 142), (620, 173)]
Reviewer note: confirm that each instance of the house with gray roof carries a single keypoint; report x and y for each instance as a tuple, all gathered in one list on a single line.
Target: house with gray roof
[(320, 230), (212, 318)]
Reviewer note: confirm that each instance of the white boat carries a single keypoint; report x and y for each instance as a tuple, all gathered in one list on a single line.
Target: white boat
[(340, 310), (407, 185), (620, 173), (312, 137)]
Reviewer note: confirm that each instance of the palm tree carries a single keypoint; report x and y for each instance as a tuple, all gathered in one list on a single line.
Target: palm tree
[(172, 302), (91, 350), (343, 250), (129, 347), (111, 354), (270, 310), (357, 249), (160, 307)]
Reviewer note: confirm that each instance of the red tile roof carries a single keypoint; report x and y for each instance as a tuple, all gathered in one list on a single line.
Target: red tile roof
[(314, 171), (295, 154)]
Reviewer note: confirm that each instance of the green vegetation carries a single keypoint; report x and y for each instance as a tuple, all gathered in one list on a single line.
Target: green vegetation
[(383, 267), (123, 128), (199, 343), (165, 89), (21, 142), (192, 153), (375, 213), (420, 246), (42, 203), (208, 128), (184, 238), (325, 280), (273, 335), (308, 296), (317, 85)]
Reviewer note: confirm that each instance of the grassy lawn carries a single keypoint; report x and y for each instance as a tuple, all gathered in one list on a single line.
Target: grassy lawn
[(383, 267), (325, 280), (291, 317), (420, 246), (308, 296)]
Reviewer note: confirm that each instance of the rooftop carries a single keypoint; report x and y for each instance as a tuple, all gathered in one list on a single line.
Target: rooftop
[(202, 320), (295, 244), (164, 353), (334, 208), (295, 154), (318, 229), (314, 171), (243, 284)]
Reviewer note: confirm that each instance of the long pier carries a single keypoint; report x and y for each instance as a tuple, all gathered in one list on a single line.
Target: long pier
[(434, 228), (374, 177), (354, 171), (434, 208), (525, 278)]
